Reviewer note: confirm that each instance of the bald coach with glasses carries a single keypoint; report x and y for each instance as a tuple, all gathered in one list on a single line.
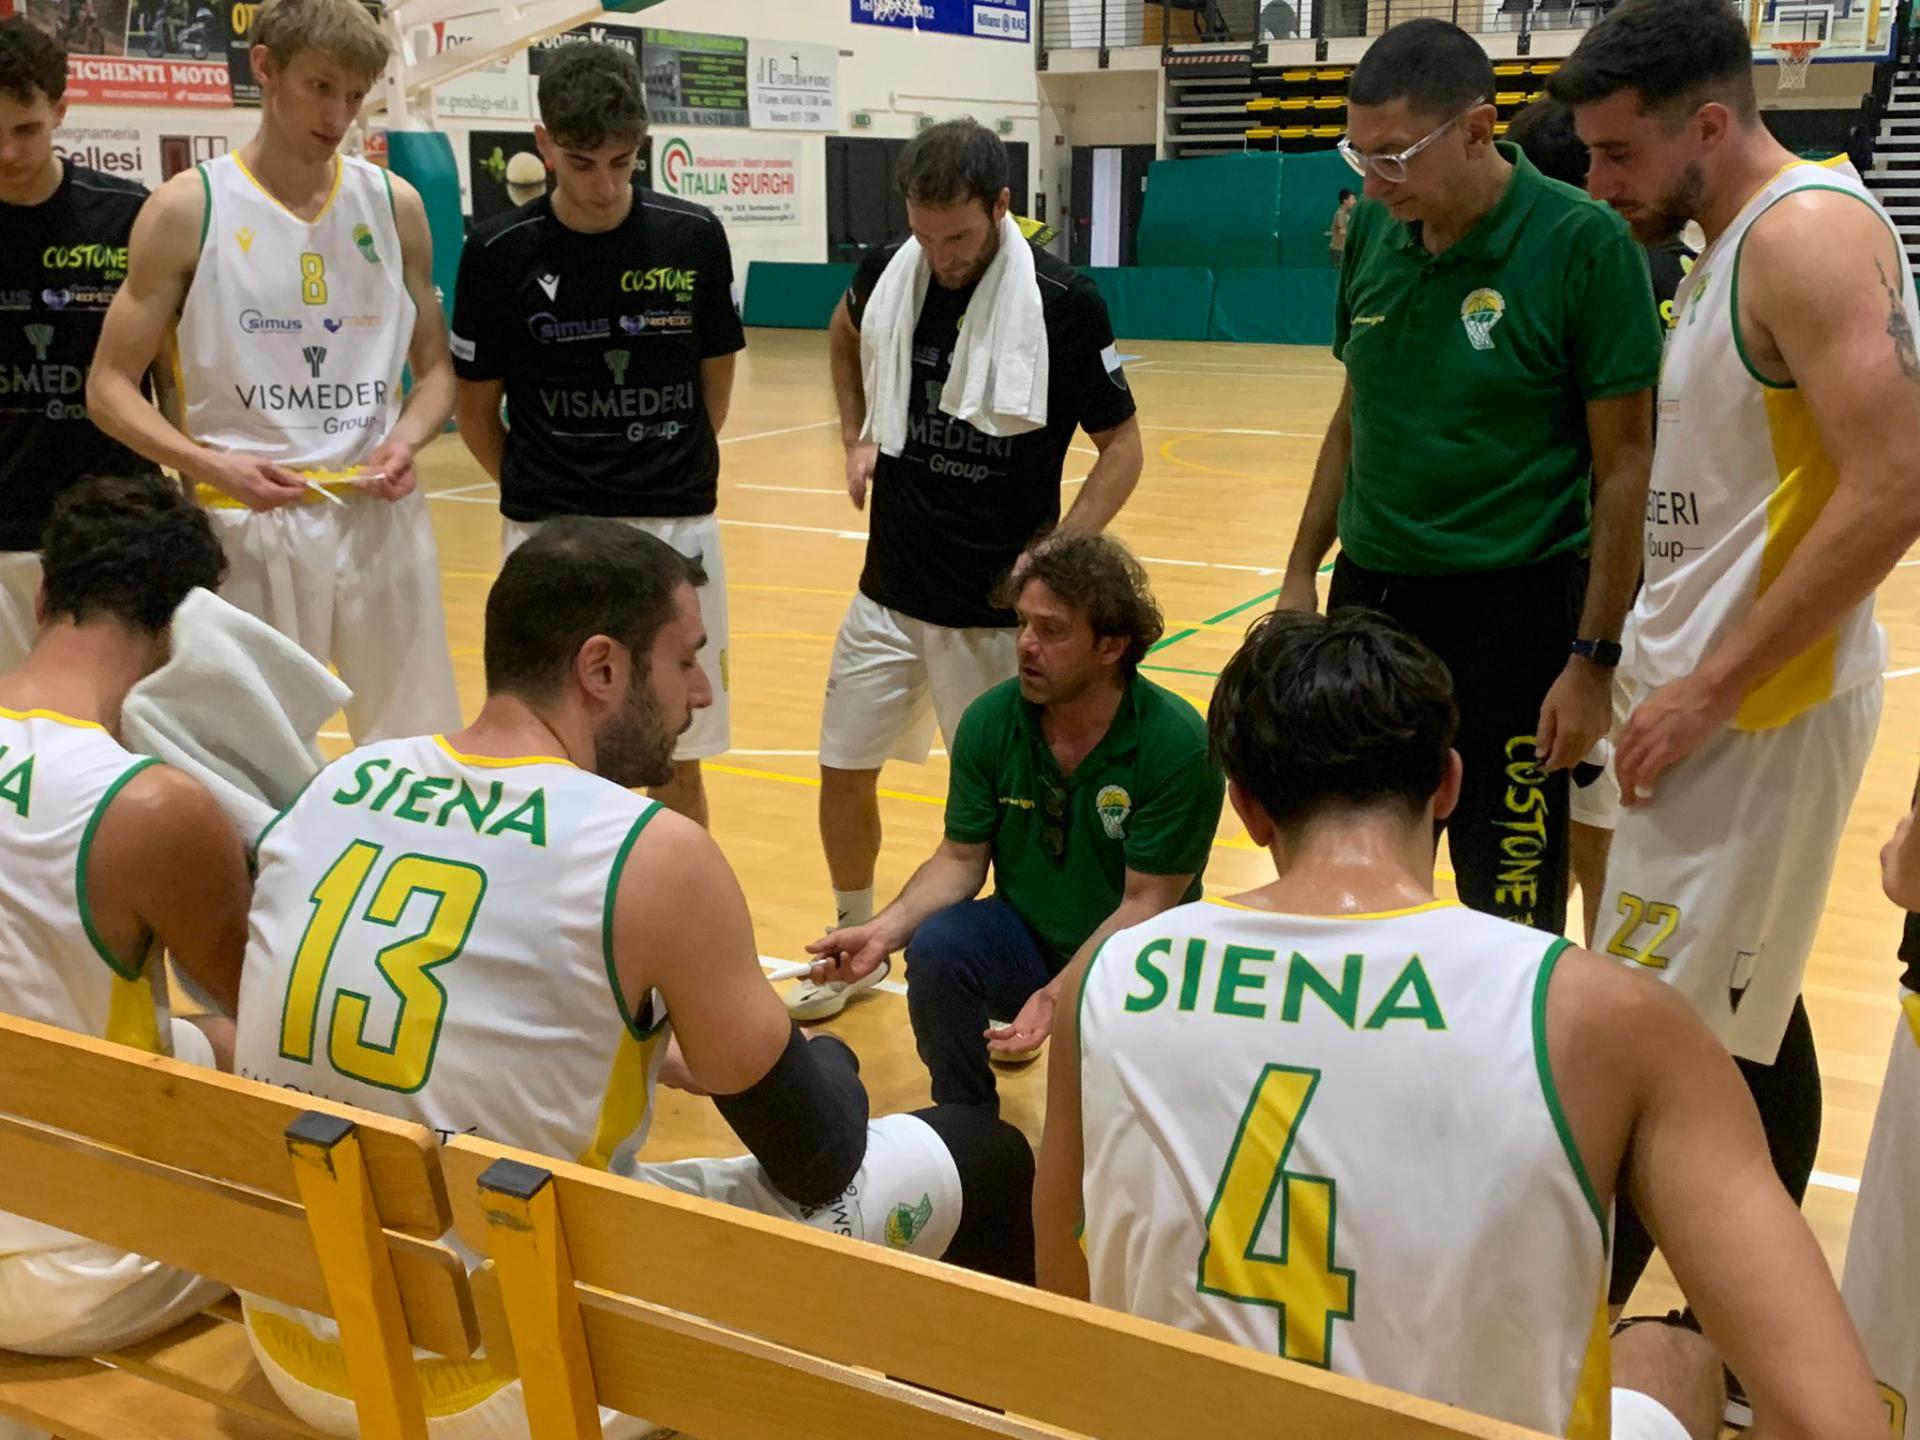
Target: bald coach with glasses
[(1486, 471)]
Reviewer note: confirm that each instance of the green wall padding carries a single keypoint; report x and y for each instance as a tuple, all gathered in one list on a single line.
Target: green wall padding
[(1275, 307), (1310, 186), (1221, 212), (789, 296), (1155, 303), (424, 159)]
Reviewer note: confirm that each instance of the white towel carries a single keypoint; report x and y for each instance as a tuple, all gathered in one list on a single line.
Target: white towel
[(237, 706), (998, 382)]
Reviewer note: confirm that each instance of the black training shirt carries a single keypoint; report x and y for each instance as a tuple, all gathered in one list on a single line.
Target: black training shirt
[(61, 262), (599, 339), (952, 513)]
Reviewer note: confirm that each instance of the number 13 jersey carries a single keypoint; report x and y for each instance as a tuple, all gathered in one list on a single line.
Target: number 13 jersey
[(431, 938), (1337, 1139)]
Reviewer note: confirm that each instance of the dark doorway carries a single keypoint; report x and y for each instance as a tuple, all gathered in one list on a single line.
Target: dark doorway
[(1106, 192), (864, 208)]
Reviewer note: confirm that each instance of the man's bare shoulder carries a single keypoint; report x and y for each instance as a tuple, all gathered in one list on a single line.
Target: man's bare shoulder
[(672, 871), (164, 806), (1815, 237), (1602, 1009)]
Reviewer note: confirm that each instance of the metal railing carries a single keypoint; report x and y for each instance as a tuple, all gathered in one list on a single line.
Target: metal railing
[(1110, 24)]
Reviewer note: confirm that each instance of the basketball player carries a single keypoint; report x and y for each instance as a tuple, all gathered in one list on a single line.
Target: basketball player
[(525, 926), (66, 229), (603, 314), (1337, 1119), (1783, 493), (955, 509), (106, 858), (1883, 1251), (301, 280)]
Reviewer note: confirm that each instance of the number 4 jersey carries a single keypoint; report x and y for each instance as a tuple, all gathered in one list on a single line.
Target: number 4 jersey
[(294, 332), (431, 939), (1337, 1139)]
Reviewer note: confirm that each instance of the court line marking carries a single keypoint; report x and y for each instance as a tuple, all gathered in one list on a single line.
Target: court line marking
[(461, 490), (1834, 1182), (769, 434), (794, 489), (1202, 430)]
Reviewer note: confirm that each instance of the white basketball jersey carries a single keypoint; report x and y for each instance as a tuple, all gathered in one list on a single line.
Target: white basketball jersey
[(294, 332), (1739, 478), (57, 777), (431, 939), (1337, 1140)]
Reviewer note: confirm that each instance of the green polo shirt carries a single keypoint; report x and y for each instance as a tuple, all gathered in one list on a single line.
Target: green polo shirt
[(1147, 799), (1471, 372)]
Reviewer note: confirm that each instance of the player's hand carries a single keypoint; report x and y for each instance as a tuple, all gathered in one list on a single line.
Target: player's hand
[(257, 484), (1900, 867), (1299, 593), (850, 954), (1030, 1027), (862, 455), (389, 472), (1575, 716), (1664, 729), (674, 1073)]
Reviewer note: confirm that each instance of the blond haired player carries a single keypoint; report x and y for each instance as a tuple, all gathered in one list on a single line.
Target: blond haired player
[(1338, 1120), (301, 283), (106, 858), (1784, 490)]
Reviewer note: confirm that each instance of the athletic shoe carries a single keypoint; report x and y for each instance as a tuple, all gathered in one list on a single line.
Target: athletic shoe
[(810, 1004), (1013, 1059)]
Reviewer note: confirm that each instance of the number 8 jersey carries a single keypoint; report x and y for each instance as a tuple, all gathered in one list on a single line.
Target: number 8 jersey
[(1337, 1139), (431, 939), (294, 332)]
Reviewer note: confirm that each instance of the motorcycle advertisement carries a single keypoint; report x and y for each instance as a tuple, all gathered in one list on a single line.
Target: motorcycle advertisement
[(139, 52)]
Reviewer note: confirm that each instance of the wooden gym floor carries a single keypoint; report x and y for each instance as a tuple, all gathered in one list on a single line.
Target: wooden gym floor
[(1231, 435)]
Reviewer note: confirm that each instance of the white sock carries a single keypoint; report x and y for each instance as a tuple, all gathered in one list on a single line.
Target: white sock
[(853, 907)]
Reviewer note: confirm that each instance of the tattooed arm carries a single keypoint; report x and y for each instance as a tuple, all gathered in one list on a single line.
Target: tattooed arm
[(1821, 286)]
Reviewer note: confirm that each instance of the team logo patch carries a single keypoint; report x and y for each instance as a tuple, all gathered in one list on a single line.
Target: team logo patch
[(56, 299), (1479, 313), (315, 356), (617, 361), (549, 286), (39, 337), (243, 237), (363, 237), (906, 1223), (1114, 805)]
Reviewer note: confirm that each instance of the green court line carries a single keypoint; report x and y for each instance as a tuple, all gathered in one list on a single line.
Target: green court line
[(1191, 631), (1173, 639), (1229, 614), (1176, 670)]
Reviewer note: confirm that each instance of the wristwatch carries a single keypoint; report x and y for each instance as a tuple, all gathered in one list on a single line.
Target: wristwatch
[(1604, 653)]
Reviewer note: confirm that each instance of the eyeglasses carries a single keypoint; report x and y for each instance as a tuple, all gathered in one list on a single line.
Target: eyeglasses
[(1393, 168), (1053, 835)]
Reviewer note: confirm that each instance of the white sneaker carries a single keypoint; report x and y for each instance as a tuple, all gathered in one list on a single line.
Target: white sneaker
[(809, 1003), (1012, 1058)]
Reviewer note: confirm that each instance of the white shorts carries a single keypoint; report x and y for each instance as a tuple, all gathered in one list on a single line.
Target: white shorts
[(1598, 805), (85, 1297), (697, 536), (906, 1196), (19, 586), (893, 676), (359, 587), (1883, 1253), (1641, 1417), (1718, 883)]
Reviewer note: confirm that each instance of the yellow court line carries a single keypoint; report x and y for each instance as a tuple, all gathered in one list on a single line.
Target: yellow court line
[(780, 635), (1166, 453), (811, 780)]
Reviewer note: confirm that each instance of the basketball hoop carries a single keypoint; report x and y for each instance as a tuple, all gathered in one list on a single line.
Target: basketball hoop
[(1795, 58)]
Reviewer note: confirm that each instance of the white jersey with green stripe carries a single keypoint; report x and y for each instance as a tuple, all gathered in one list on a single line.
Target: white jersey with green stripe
[(431, 938), (294, 332), (1337, 1139), (1740, 475), (58, 775)]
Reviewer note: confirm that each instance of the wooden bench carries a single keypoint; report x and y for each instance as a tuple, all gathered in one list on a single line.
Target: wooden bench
[(312, 1204), (598, 1292)]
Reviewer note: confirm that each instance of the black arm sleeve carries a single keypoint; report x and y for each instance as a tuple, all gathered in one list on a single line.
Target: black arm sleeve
[(805, 1120)]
